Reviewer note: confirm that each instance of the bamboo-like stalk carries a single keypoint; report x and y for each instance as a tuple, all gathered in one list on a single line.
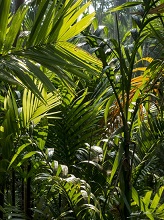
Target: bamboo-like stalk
[(13, 187), (1, 199), (27, 194)]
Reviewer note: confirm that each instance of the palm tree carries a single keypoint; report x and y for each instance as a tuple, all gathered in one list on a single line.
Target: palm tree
[(90, 160), (34, 39), (131, 95), (38, 40), (18, 131)]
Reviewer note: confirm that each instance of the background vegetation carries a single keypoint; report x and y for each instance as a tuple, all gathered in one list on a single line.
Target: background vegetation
[(81, 109)]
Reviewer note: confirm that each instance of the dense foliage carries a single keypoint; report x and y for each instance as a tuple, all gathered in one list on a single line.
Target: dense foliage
[(81, 117)]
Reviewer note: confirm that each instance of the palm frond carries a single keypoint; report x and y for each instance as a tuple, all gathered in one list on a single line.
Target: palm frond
[(46, 43), (150, 207), (77, 126), (148, 142), (76, 200)]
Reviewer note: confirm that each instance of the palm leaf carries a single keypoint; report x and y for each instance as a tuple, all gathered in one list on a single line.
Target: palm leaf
[(150, 207), (46, 44), (77, 200), (124, 6), (19, 123), (14, 28), (33, 109), (4, 13), (149, 140), (78, 126)]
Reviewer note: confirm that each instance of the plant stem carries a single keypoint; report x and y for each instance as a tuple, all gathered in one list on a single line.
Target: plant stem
[(27, 193), (13, 187), (1, 199)]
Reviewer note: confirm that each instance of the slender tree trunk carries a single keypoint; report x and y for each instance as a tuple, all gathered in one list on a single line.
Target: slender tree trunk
[(22, 194), (1, 199), (27, 194), (29, 197), (25, 198), (127, 180), (13, 188), (2, 191)]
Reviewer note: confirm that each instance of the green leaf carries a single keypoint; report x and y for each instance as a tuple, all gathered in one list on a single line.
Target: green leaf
[(46, 25), (124, 6), (1, 208), (83, 58), (15, 27), (38, 22), (4, 13), (41, 133), (147, 199), (106, 113), (8, 77), (40, 75), (157, 198), (95, 24), (116, 163), (19, 68), (70, 29), (77, 28), (160, 209), (59, 170), (20, 149), (34, 109), (137, 199), (27, 156)]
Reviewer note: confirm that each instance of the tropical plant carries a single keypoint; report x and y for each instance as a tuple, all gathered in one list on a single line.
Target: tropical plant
[(28, 47), (24, 48), (78, 141), (18, 127), (132, 93), (79, 125)]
